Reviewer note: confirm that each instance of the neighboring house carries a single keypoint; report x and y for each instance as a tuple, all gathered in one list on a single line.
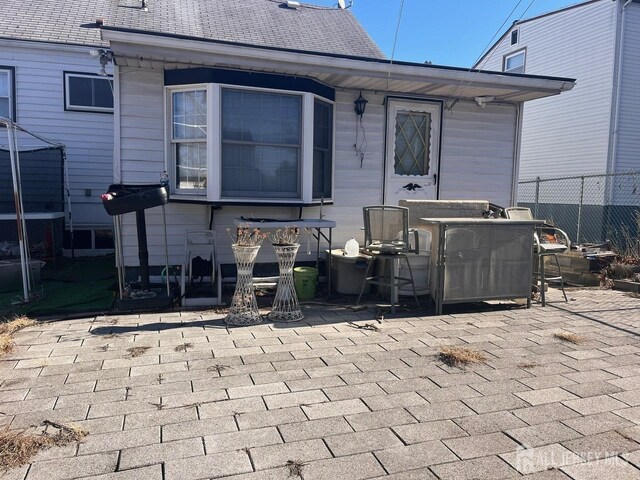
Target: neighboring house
[(48, 85), (250, 107), (594, 128)]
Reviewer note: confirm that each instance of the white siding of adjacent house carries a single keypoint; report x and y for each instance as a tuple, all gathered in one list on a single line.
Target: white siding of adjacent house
[(569, 134), (477, 163), (628, 143), (88, 137)]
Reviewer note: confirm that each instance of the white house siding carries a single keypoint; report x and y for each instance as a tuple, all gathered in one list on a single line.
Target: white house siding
[(88, 137), (569, 134), (477, 162), (477, 153), (628, 143)]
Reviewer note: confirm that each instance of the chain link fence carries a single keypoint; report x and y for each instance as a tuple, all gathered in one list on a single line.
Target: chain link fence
[(591, 208)]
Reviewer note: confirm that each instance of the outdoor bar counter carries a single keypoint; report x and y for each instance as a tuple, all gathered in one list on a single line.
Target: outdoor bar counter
[(479, 259)]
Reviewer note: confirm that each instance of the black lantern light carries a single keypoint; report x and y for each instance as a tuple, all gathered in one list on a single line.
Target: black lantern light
[(360, 104)]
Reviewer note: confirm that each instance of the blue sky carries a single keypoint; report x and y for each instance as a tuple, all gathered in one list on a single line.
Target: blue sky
[(445, 32)]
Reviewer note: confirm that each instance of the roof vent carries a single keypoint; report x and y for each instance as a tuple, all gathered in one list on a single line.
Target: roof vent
[(293, 4), (99, 21)]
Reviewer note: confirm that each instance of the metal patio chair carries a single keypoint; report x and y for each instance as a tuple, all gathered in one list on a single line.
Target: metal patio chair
[(549, 241), (386, 237)]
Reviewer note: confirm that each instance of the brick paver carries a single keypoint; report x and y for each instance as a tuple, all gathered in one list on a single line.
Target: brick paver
[(335, 400)]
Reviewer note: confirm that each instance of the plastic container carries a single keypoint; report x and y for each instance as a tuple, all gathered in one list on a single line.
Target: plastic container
[(347, 273), (351, 248), (305, 280)]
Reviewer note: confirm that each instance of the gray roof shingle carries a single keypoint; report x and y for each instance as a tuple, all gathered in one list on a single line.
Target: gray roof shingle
[(263, 23)]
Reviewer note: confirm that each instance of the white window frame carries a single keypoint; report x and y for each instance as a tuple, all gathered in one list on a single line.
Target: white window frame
[(11, 90), (83, 108), (507, 57), (214, 146), (170, 150)]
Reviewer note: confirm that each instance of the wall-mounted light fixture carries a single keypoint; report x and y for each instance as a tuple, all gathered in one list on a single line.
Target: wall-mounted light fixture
[(359, 105), (104, 56), (482, 101)]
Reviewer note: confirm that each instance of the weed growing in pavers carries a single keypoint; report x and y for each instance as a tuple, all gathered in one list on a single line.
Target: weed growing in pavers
[(19, 447), (183, 347), (7, 329), (103, 348), (159, 406), (295, 468), (137, 351), (160, 378), (569, 337), (460, 356), (218, 368)]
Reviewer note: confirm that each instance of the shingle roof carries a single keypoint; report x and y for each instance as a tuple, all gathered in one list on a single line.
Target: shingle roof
[(264, 23)]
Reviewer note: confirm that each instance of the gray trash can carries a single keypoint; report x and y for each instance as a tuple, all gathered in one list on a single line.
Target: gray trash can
[(347, 273)]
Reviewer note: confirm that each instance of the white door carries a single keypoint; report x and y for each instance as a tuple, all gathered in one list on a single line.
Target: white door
[(413, 150)]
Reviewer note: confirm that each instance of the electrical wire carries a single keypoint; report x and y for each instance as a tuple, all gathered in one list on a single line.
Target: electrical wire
[(484, 50), (395, 42)]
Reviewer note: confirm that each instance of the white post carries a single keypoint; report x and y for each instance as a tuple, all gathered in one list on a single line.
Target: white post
[(17, 196)]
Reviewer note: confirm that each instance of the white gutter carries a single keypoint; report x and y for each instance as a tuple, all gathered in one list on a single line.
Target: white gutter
[(249, 56)]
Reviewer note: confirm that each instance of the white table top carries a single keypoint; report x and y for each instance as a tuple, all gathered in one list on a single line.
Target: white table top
[(300, 223), (33, 216)]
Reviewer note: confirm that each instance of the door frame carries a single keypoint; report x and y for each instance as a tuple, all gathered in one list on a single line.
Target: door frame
[(389, 138)]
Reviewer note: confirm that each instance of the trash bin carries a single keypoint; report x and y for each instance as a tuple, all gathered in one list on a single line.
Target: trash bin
[(305, 280), (347, 273)]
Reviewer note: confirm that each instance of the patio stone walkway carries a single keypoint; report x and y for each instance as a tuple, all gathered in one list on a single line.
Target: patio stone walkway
[(339, 396)]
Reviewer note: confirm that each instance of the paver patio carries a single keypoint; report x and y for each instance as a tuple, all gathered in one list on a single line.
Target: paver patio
[(328, 399)]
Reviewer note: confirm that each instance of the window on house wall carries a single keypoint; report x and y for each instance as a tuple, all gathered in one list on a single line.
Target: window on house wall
[(88, 93), (189, 139), (514, 63), (514, 37), (7, 93), (262, 146), (322, 149)]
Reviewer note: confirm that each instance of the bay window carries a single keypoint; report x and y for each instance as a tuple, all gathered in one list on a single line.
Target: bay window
[(238, 144)]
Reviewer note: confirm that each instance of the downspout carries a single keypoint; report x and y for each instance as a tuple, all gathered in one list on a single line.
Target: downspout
[(516, 155), (616, 103)]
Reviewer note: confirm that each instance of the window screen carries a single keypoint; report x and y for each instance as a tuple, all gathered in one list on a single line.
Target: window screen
[(6, 93), (322, 148), (189, 134)]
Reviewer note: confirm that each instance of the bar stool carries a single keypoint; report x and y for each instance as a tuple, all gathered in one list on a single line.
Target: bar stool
[(386, 237), (549, 242)]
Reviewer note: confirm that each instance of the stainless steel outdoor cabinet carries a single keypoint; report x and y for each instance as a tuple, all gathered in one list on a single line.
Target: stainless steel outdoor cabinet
[(478, 259)]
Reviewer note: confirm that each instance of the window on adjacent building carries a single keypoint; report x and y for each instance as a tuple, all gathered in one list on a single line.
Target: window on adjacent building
[(7, 93), (261, 145), (514, 63), (514, 37), (88, 93)]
